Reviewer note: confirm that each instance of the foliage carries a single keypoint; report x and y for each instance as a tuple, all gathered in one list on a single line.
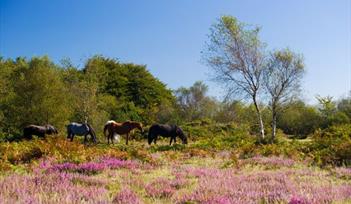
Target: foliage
[(193, 102), (282, 80), (236, 56), (37, 91), (332, 145), (298, 119)]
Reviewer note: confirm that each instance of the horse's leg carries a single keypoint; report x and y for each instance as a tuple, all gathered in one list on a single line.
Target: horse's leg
[(170, 142), (85, 138), (127, 138), (72, 137), (41, 135), (93, 138), (108, 138)]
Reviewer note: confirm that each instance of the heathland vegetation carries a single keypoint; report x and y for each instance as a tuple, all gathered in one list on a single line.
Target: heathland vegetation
[(270, 147)]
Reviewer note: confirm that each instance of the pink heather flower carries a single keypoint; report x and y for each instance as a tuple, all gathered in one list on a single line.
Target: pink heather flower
[(298, 200), (219, 200), (270, 161), (343, 172), (53, 187), (90, 168), (159, 188), (126, 196)]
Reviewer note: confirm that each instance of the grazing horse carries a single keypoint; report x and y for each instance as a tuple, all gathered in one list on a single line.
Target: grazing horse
[(113, 128), (166, 131), (80, 129), (39, 131)]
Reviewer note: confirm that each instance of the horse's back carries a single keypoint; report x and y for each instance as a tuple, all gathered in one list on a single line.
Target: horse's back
[(77, 128), (110, 122), (163, 129), (34, 128)]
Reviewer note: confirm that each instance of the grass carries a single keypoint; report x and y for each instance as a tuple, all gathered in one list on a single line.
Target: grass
[(173, 175), (228, 168)]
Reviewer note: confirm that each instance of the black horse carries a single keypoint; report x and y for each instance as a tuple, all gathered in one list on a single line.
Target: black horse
[(39, 131), (166, 131)]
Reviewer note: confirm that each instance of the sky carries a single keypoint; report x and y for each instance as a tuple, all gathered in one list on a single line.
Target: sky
[(168, 36)]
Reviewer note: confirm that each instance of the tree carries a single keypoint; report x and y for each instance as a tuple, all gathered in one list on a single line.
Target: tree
[(298, 119), (194, 103), (236, 56), (344, 106), (330, 113), (138, 93), (39, 94), (282, 79)]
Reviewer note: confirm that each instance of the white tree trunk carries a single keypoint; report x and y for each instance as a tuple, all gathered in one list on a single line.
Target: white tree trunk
[(259, 115), (274, 126)]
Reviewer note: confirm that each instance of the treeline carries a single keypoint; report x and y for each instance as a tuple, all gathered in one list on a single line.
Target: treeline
[(295, 118), (38, 91)]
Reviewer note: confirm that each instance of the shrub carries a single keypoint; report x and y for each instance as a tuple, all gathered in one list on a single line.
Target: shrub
[(332, 145)]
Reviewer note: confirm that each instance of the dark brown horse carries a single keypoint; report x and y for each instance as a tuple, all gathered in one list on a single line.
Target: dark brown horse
[(39, 131), (120, 128), (171, 131)]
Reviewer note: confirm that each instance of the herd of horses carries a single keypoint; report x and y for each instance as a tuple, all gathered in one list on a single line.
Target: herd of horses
[(111, 130)]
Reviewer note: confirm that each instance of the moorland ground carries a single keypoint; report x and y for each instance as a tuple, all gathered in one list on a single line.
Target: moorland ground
[(229, 168)]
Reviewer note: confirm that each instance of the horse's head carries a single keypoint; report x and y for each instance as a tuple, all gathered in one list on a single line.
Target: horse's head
[(51, 129), (140, 127), (150, 138), (181, 135), (133, 125)]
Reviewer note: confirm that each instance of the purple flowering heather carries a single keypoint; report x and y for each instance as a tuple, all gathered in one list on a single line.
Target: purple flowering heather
[(48, 188), (263, 186), (114, 163), (298, 200), (91, 167), (343, 172), (274, 162), (126, 196), (160, 188)]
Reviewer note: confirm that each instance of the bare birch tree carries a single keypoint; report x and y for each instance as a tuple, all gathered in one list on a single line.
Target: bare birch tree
[(236, 56)]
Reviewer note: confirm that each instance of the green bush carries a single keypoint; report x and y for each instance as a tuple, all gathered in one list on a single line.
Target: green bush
[(332, 145)]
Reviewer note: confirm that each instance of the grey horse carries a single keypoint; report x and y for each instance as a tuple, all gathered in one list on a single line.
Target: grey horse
[(81, 129)]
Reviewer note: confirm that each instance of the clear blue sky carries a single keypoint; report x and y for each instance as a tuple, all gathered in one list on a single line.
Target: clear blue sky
[(168, 36)]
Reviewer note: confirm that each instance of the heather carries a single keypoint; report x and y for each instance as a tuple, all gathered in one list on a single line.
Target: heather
[(223, 163), (171, 175)]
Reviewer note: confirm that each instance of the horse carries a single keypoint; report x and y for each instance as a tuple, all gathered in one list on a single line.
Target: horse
[(166, 131), (80, 129), (39, 131), (116, 137), (120, 128)]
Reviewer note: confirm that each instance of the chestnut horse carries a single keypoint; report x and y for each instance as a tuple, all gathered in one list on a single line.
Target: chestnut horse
[(120, 128)]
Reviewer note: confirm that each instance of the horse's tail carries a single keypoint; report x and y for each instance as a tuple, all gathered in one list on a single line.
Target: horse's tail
[(26, 132), (106, 128), (92, 132)]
